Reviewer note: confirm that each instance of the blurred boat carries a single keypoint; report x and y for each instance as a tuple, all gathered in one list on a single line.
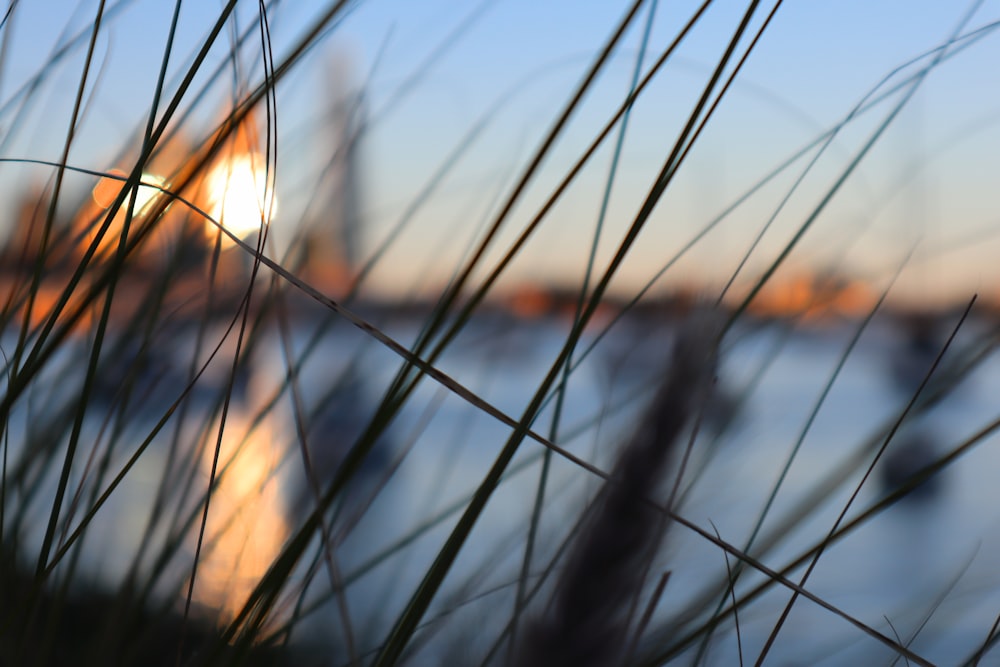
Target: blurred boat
[(333, 424), (904, 459), (919, 343)]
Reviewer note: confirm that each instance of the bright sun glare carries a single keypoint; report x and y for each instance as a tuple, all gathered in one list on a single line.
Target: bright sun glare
[(238, 195)]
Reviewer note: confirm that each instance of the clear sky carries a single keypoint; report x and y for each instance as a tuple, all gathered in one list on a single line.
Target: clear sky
[(433, 69)]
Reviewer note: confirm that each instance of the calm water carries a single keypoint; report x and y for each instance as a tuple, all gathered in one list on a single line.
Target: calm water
[(931, 557)]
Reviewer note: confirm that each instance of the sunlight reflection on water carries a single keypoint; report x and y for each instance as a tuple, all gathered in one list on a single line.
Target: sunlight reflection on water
[(247, 523)]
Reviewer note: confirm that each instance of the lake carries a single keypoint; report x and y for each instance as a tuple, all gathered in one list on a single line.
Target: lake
[(924, 566)]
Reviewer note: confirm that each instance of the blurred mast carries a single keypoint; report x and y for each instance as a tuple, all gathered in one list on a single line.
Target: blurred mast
[(333, 233), (348, 120)]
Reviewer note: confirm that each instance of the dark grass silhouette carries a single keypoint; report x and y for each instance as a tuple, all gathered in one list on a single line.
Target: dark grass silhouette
[(586, 622), (59, 478)]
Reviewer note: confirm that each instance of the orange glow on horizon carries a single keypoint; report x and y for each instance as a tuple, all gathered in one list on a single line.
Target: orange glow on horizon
[(107, 190), (812, 297), (530, 302)]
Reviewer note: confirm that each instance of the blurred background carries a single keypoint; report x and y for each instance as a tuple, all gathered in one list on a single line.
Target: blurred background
[(220, 273)]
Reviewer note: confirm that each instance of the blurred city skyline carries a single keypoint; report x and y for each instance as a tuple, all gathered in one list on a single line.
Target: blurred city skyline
[(485, 82)]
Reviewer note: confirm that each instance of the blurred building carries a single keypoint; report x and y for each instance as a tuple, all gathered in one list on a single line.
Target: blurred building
[(190, 188)]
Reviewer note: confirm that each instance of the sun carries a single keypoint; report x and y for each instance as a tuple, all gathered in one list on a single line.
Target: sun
[(238, 195)]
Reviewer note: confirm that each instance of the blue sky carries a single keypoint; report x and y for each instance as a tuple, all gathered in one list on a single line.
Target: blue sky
[(930, 180)]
